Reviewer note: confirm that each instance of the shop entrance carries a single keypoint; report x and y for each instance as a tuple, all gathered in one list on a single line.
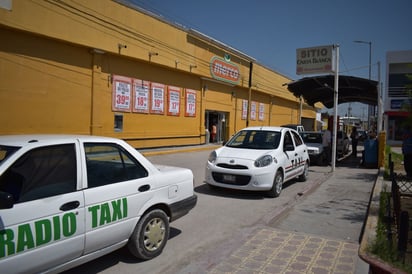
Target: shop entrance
[(215, 123)]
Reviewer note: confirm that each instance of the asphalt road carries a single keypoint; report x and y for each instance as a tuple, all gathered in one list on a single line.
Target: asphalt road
[(222, 219)]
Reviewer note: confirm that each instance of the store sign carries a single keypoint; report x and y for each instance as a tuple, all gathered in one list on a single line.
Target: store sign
[(314, 60), (400, 103), (224, 70)]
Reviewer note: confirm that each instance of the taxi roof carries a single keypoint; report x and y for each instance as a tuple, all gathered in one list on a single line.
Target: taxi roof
[(27, 139)]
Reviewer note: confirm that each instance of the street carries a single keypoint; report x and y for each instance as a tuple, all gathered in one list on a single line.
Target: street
[(222, 219)]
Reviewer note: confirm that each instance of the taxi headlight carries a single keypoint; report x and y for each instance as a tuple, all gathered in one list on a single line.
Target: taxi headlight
[(263, 161), (212, 157)]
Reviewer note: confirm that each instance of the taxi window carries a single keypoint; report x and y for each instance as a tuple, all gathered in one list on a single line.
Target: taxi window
[(40, 173), (109, 164), (297, 138), (288, 140), (6, 151)]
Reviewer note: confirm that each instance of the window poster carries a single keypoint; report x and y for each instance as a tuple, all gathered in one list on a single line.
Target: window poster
[(121, 99), (157, 98), (190, 107), (173, 101), (244, 109), (261, 111), (253, 111), (141, 96)]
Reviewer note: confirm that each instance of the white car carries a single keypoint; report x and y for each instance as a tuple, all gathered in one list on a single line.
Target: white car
[(259, 159), (65, 200), (313, 140)]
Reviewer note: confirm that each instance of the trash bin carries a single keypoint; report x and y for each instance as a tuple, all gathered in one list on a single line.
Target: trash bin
[(370, 156)]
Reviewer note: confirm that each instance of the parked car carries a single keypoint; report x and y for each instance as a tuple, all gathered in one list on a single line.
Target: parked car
[(259, 159), (65, 200), (313, 140), (343, 143), (298, 128)]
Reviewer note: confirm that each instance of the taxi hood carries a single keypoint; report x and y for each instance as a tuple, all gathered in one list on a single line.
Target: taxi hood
[(242, 153)]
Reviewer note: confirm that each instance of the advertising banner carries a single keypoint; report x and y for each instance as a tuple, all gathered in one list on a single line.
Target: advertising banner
[(173, 101), (122, 89), (158, 98), (190, 103), (141, 96)]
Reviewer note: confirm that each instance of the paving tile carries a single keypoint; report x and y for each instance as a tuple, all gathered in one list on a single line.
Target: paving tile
[(272, 250)]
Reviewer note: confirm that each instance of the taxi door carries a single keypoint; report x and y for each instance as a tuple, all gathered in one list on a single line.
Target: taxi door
[(117, 188), (291, 156), (45, 226)]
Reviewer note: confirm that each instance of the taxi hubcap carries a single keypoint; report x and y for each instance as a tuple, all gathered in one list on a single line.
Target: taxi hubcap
[(154, 234)]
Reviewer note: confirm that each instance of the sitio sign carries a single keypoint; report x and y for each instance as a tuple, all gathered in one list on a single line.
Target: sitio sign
[(314, 60)]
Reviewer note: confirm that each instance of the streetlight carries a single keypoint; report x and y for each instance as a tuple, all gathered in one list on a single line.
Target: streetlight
[(371, 111), (370, 53)]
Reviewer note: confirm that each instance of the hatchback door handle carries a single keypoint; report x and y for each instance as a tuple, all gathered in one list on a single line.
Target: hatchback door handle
[(70, 205), (144, 188)]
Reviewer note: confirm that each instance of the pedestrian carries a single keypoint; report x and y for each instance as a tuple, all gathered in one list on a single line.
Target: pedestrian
[(326, 142), (354, 136), (407, 151), (214, 132)]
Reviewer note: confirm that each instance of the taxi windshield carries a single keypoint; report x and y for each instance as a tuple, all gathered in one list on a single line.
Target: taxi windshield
[(255, 139), (6, 151)]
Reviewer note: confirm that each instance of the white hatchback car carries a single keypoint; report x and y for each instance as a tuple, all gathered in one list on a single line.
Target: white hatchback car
[(65, 200), (259, 159)]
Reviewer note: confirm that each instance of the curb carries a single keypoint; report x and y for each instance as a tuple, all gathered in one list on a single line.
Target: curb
[(177, 150), (376, 265)]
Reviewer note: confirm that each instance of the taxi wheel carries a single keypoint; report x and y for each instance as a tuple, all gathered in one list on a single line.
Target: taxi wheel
[(150, 235), (277, 185)]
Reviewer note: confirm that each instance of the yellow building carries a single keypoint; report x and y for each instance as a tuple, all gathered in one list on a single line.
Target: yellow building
[(106, 68)]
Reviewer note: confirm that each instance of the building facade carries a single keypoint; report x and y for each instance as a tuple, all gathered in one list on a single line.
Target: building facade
[(397, 98), (109, 68)]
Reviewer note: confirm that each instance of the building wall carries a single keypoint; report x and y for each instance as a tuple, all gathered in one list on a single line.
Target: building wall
[(60, 62), (396, 96)]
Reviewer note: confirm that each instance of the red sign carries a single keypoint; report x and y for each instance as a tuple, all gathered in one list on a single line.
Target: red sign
[(224, 70)]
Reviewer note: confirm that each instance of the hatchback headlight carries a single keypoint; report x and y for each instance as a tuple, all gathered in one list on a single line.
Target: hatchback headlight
[(212, 157), (263, 161)]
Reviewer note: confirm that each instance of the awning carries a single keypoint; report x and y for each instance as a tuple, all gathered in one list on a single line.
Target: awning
[(320, 89)]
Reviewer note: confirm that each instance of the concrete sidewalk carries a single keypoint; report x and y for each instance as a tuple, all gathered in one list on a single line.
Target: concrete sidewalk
[(318, 234)]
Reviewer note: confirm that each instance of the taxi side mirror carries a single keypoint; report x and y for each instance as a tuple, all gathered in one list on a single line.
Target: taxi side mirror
[(6, 200)]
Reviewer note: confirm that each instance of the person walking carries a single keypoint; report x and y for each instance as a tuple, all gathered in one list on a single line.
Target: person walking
[(327, 147), (407, 151), (214, 132), (354, 136)]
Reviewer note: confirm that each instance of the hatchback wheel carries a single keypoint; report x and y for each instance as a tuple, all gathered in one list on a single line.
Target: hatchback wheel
[(150, 235), (277, 185)]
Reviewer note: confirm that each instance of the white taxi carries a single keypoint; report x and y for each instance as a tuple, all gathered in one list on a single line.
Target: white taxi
[(65, 200), (259, 159)]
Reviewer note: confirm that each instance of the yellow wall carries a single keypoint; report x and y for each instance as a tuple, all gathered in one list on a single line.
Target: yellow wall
[(58, 60)]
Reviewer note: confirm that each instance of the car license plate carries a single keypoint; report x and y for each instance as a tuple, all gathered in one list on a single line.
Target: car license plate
[(229, 178)]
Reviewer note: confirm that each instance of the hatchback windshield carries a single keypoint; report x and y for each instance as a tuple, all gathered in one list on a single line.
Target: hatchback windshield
[(6, 151), (255, 139)]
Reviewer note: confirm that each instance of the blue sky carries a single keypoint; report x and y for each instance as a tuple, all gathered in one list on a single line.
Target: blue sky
[(271, 30)]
